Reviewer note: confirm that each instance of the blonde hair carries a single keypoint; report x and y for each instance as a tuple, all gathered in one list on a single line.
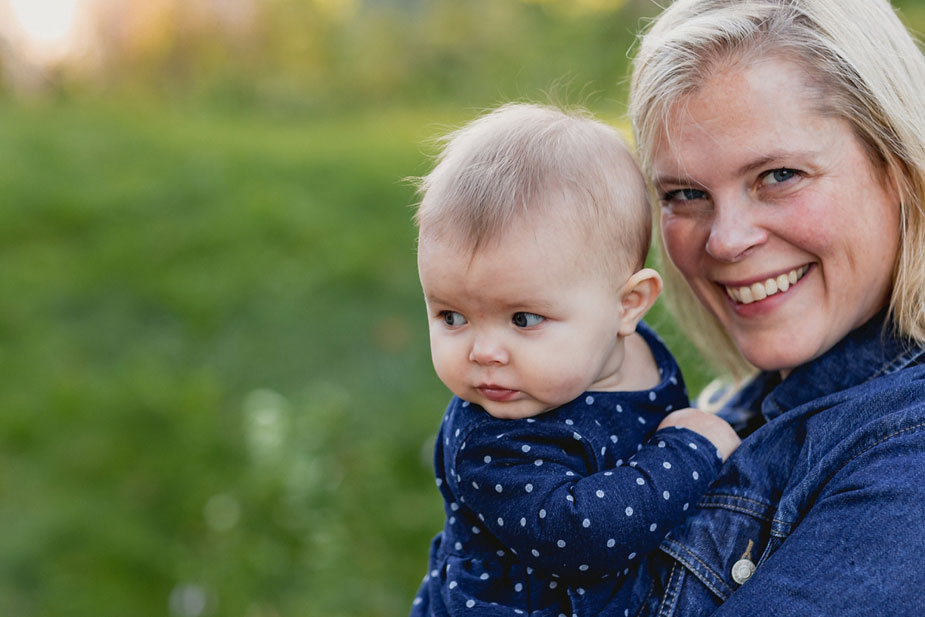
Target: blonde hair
[(522, 161), (865, 68)]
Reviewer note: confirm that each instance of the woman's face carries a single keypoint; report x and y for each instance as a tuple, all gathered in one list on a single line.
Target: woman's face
[(774, 214)]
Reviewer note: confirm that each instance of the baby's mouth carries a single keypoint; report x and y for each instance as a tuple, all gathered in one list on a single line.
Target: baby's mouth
[(759, 291)]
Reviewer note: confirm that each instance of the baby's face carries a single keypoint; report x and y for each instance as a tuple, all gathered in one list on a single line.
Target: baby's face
[(523, 325)]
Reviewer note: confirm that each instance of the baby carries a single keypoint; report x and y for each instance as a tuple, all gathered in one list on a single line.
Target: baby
[(558, 459)]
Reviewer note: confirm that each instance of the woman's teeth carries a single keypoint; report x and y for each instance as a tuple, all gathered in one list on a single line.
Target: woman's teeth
[(760, 291)]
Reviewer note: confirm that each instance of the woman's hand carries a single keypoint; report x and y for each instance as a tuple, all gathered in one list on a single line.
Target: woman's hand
[(710, 426)]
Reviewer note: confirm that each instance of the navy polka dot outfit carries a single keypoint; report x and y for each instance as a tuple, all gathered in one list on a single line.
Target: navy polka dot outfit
[(546, 515)]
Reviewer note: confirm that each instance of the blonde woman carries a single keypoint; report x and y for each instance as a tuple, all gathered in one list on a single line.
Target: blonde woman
[(785, 140)]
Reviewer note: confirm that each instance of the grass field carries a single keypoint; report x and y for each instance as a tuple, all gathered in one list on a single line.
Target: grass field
[(215, 384)]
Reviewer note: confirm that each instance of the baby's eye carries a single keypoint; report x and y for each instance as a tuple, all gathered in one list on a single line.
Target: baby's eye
[(777, 176), (523, 319), (683, 195), (452, 318)]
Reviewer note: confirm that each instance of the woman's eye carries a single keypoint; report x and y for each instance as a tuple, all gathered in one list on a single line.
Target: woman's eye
[(453, 319), (777, 176), (683, 195), (522, 319)]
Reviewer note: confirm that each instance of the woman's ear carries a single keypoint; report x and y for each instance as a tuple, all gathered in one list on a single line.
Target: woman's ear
[(637, 297)]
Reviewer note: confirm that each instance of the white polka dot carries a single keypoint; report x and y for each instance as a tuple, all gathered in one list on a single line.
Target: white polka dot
[(586, 523), (487, 459), (531, 420), (538, 462), (454, 506), (499, 436), (499, 553), (619, 462), (631, 556), (542, 513), (661, 444), (674, 381), (458, 546), (603, 450), (619, 408), (719, 454), (498, 488), (580, 591), (600, 494), (651, 396), (528, 488), (484, 576), (470, 603), (433, 573), (589, 400), (583, 567), (463, 446), (500, 522), (525, 448), (452, 585), (465, 403), (666, 495), (641, 420), (570, 473), (560, 543), (696, 475), (685, 507), (553, 584), (570, 498), (576, 436), (417, 601), (613, 438), (640, 481), (523, 522), (608, 473), (692, 445), (475, 485), (452, 520), (456, 434), (669, 407), (482, 517), (476, 530), (629, 511), (535, 553), (518, 587), (570, 422), (439, 482), (652, 527), (529, 569), (666, 465), (611, 542)]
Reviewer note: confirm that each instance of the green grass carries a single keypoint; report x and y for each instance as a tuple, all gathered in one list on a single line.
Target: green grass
[(214, 370)]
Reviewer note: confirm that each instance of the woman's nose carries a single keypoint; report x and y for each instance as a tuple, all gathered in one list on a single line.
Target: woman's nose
[(487, 349), (735, 229)]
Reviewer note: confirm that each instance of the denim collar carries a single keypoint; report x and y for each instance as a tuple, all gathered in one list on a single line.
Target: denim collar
[(868, 352)]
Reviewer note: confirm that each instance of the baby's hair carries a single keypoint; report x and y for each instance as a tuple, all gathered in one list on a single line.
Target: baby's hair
[(523, 161)]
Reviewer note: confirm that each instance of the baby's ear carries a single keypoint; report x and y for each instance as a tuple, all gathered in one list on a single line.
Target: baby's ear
[(637, 297)]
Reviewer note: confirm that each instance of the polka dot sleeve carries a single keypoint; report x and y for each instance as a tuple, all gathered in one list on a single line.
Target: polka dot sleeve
[(532, 490)]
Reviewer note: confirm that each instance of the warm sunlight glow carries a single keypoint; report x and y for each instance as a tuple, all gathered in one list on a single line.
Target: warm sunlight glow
[(48, 28)]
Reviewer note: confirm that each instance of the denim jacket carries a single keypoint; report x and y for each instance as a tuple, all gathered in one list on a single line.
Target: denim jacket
[(821, 510)]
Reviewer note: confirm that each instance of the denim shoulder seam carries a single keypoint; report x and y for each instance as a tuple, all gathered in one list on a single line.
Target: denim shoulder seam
[(680, 547)]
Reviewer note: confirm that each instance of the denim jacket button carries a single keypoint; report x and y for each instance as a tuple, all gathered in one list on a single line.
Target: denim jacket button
[(742, 570)]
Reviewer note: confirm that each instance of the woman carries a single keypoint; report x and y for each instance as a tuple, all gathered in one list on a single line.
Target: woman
[(786, 142)]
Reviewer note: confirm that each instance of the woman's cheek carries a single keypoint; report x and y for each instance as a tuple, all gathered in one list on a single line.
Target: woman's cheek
[(681, 240)]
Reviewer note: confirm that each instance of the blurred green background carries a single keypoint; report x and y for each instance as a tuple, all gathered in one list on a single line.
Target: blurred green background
[(216, 395)]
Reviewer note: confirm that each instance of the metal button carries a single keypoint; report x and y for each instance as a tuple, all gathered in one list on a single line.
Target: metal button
[(742, 570)]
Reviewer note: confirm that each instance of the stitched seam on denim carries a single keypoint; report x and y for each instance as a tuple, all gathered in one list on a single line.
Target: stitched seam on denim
[(739, 498), (669, 591), (722, 595), (862, 452), (760, 516), (900, 362)]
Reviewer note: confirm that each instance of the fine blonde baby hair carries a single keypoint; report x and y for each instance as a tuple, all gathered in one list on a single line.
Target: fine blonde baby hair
[(864, 67), (524, 163)]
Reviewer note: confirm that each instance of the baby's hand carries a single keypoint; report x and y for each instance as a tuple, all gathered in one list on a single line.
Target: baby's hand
[(712, 427)]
